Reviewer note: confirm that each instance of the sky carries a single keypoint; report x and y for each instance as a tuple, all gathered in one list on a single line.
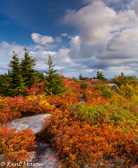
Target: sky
[(82, 36)]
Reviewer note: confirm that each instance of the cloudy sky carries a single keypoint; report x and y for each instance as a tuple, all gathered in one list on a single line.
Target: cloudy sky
[(82, 36)]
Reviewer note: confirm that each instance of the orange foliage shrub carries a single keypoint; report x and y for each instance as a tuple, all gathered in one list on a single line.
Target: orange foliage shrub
[(95, 98), (11, 108), (105, 129), (62, 102), (34, 89), (16, 145), (75, 87), (79, 144), (35, 105)]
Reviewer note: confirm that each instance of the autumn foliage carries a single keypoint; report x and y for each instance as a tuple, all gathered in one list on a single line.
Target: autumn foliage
[(16, 145), (100, 132), (82, 139), (103, 128)]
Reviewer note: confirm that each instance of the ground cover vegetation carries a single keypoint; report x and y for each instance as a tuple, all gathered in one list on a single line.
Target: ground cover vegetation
[(101, 131)]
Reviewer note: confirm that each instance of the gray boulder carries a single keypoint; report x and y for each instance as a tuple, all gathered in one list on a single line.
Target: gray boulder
[(32, 122), (113, 86)]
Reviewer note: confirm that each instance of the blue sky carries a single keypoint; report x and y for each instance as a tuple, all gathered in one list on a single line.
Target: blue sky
[(81, 35)]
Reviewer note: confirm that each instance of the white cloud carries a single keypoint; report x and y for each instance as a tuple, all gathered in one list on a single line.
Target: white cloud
[(107, 39), (63, 55), (64, 34), (96, 21), (75, 47), (128, 37), (40, 39), (6, 50), (42, 55)]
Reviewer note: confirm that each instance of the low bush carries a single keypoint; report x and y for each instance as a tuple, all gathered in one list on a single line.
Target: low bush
[(106, 90), (84, 85), (127, 91), (16, 145), (109, 112), (83, 135), (95, 98), (12, 108), (9, 109)]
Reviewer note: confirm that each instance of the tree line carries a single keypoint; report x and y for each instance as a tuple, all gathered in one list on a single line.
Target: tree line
[(21, 75), (99, 74)]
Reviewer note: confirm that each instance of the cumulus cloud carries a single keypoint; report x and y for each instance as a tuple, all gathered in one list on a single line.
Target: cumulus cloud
[(42, 55), (75, 47), (6, 50), (128, 37), (63, 55), (40, 39), (96, 21), (107, 39), (38, 52)]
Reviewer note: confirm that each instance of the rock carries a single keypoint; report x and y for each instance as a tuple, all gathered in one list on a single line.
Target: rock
[(82, 100), (32, 122), (46, 156), (113, 85)]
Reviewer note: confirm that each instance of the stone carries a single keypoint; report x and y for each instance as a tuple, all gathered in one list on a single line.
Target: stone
[(113, 85), (32, 122)]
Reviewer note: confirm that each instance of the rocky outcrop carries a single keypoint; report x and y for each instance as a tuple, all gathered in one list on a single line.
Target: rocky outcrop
[(43, 156), (32, 122), (113, 85)]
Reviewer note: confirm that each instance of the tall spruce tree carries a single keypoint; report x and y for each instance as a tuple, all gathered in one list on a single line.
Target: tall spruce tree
[(27, 69), (4, 85), (80, 76), (40, 74), (53, 82), (14, 82), (100, 76)]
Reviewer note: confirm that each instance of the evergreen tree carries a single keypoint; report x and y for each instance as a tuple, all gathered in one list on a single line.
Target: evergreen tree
[(40, 74), (80, 76), (53, 82), (27, 69), (4, 84), (101, 76), (15, 83), (122, 74)]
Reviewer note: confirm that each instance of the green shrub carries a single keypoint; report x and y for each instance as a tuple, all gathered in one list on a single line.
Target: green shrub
[(127, 91), (105, 89), (113, 112), (108, 93), (101, 87), (84, 85)]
